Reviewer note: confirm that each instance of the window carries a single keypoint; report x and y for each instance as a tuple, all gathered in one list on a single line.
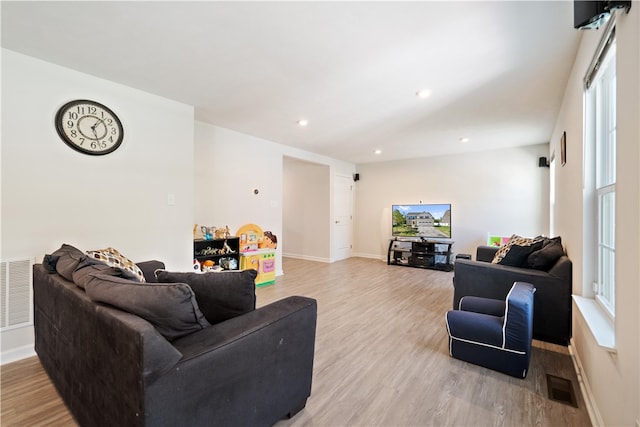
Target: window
[(600, 133)]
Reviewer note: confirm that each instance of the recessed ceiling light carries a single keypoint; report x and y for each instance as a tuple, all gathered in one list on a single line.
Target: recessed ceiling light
[(423, 93), (464, 139), (302, 122), (377, 152)]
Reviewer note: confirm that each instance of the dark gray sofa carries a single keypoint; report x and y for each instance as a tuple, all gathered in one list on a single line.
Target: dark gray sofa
[(552, 299), (113, 368)]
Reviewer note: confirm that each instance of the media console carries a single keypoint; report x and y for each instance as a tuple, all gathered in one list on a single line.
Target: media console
[(423, 253)]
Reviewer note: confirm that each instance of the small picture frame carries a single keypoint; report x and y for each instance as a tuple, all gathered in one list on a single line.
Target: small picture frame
[(563, 148)]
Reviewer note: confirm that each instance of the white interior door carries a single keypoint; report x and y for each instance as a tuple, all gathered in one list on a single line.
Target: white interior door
[(342, 216)]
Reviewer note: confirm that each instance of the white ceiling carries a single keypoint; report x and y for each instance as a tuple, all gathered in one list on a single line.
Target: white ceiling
[(497, 70)]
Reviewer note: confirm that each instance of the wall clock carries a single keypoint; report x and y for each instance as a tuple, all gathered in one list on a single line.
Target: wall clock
[(89, 127)]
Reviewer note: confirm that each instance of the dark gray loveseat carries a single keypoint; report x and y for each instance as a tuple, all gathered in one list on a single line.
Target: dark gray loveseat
[(114, 368), (552, 299)]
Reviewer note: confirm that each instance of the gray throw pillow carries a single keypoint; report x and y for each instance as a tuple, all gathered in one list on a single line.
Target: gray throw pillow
[(65, 260), (221, 295), (171, 308), (88, 267), (518, 255), (546, 257)]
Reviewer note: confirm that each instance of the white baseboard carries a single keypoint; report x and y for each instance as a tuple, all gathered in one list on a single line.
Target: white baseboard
[(306, 258), (371, 256), (585, 389), (16, 354)]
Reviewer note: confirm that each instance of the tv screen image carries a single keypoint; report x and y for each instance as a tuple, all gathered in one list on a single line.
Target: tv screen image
[(423, 220)]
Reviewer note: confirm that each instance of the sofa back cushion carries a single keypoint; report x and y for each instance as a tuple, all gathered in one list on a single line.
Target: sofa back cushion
[(546, 257), (171, 308), (539, 253), (221, 295), (89, 267), (75, 265)]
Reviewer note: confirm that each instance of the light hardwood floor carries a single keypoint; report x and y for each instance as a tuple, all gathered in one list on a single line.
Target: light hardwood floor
[(381, 359)]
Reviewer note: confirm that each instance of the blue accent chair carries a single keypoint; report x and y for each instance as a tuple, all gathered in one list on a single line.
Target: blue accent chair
[(493, 333)]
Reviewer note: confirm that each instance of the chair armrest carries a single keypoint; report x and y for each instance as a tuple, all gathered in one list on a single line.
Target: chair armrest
[(481, 305), (475, 327)]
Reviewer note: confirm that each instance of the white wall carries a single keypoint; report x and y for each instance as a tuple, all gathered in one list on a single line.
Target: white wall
[(501, 192), (305, 211), (612, 379), (229, 165), (52, 194)]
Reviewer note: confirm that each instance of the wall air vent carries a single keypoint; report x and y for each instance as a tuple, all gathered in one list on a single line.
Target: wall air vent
[(16, 302)]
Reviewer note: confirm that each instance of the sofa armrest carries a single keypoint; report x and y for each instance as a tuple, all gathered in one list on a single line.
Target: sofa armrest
[(486, 253), (265, 356), (148, 269), (224, 333), (562, 269), (84, 346)]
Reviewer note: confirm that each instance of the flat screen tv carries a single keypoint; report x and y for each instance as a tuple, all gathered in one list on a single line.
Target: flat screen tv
[(431, 221)]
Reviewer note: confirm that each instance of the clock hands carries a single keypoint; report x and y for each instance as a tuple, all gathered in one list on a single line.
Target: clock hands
[(93, 128)]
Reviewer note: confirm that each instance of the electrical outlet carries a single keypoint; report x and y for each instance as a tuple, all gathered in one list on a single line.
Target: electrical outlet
[(171, 199)]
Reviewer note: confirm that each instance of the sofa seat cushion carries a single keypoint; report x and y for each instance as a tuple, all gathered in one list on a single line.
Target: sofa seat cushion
[(221, 295), (171, 308)]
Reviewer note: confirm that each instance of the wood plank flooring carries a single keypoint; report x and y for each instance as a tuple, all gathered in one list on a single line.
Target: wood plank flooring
[(381, 359)]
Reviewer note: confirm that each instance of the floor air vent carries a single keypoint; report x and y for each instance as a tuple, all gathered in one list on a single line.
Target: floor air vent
[(561, 390), (15, 293)]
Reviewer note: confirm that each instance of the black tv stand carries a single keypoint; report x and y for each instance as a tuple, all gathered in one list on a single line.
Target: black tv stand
[(423, 253)]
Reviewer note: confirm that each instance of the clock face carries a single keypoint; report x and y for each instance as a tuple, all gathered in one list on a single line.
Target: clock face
[(89, 127)]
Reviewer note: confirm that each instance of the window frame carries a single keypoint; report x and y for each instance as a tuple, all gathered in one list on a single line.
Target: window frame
[(600, 134)]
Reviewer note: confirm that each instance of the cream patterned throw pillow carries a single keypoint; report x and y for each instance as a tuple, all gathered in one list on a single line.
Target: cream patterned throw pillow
[(113, 258)]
